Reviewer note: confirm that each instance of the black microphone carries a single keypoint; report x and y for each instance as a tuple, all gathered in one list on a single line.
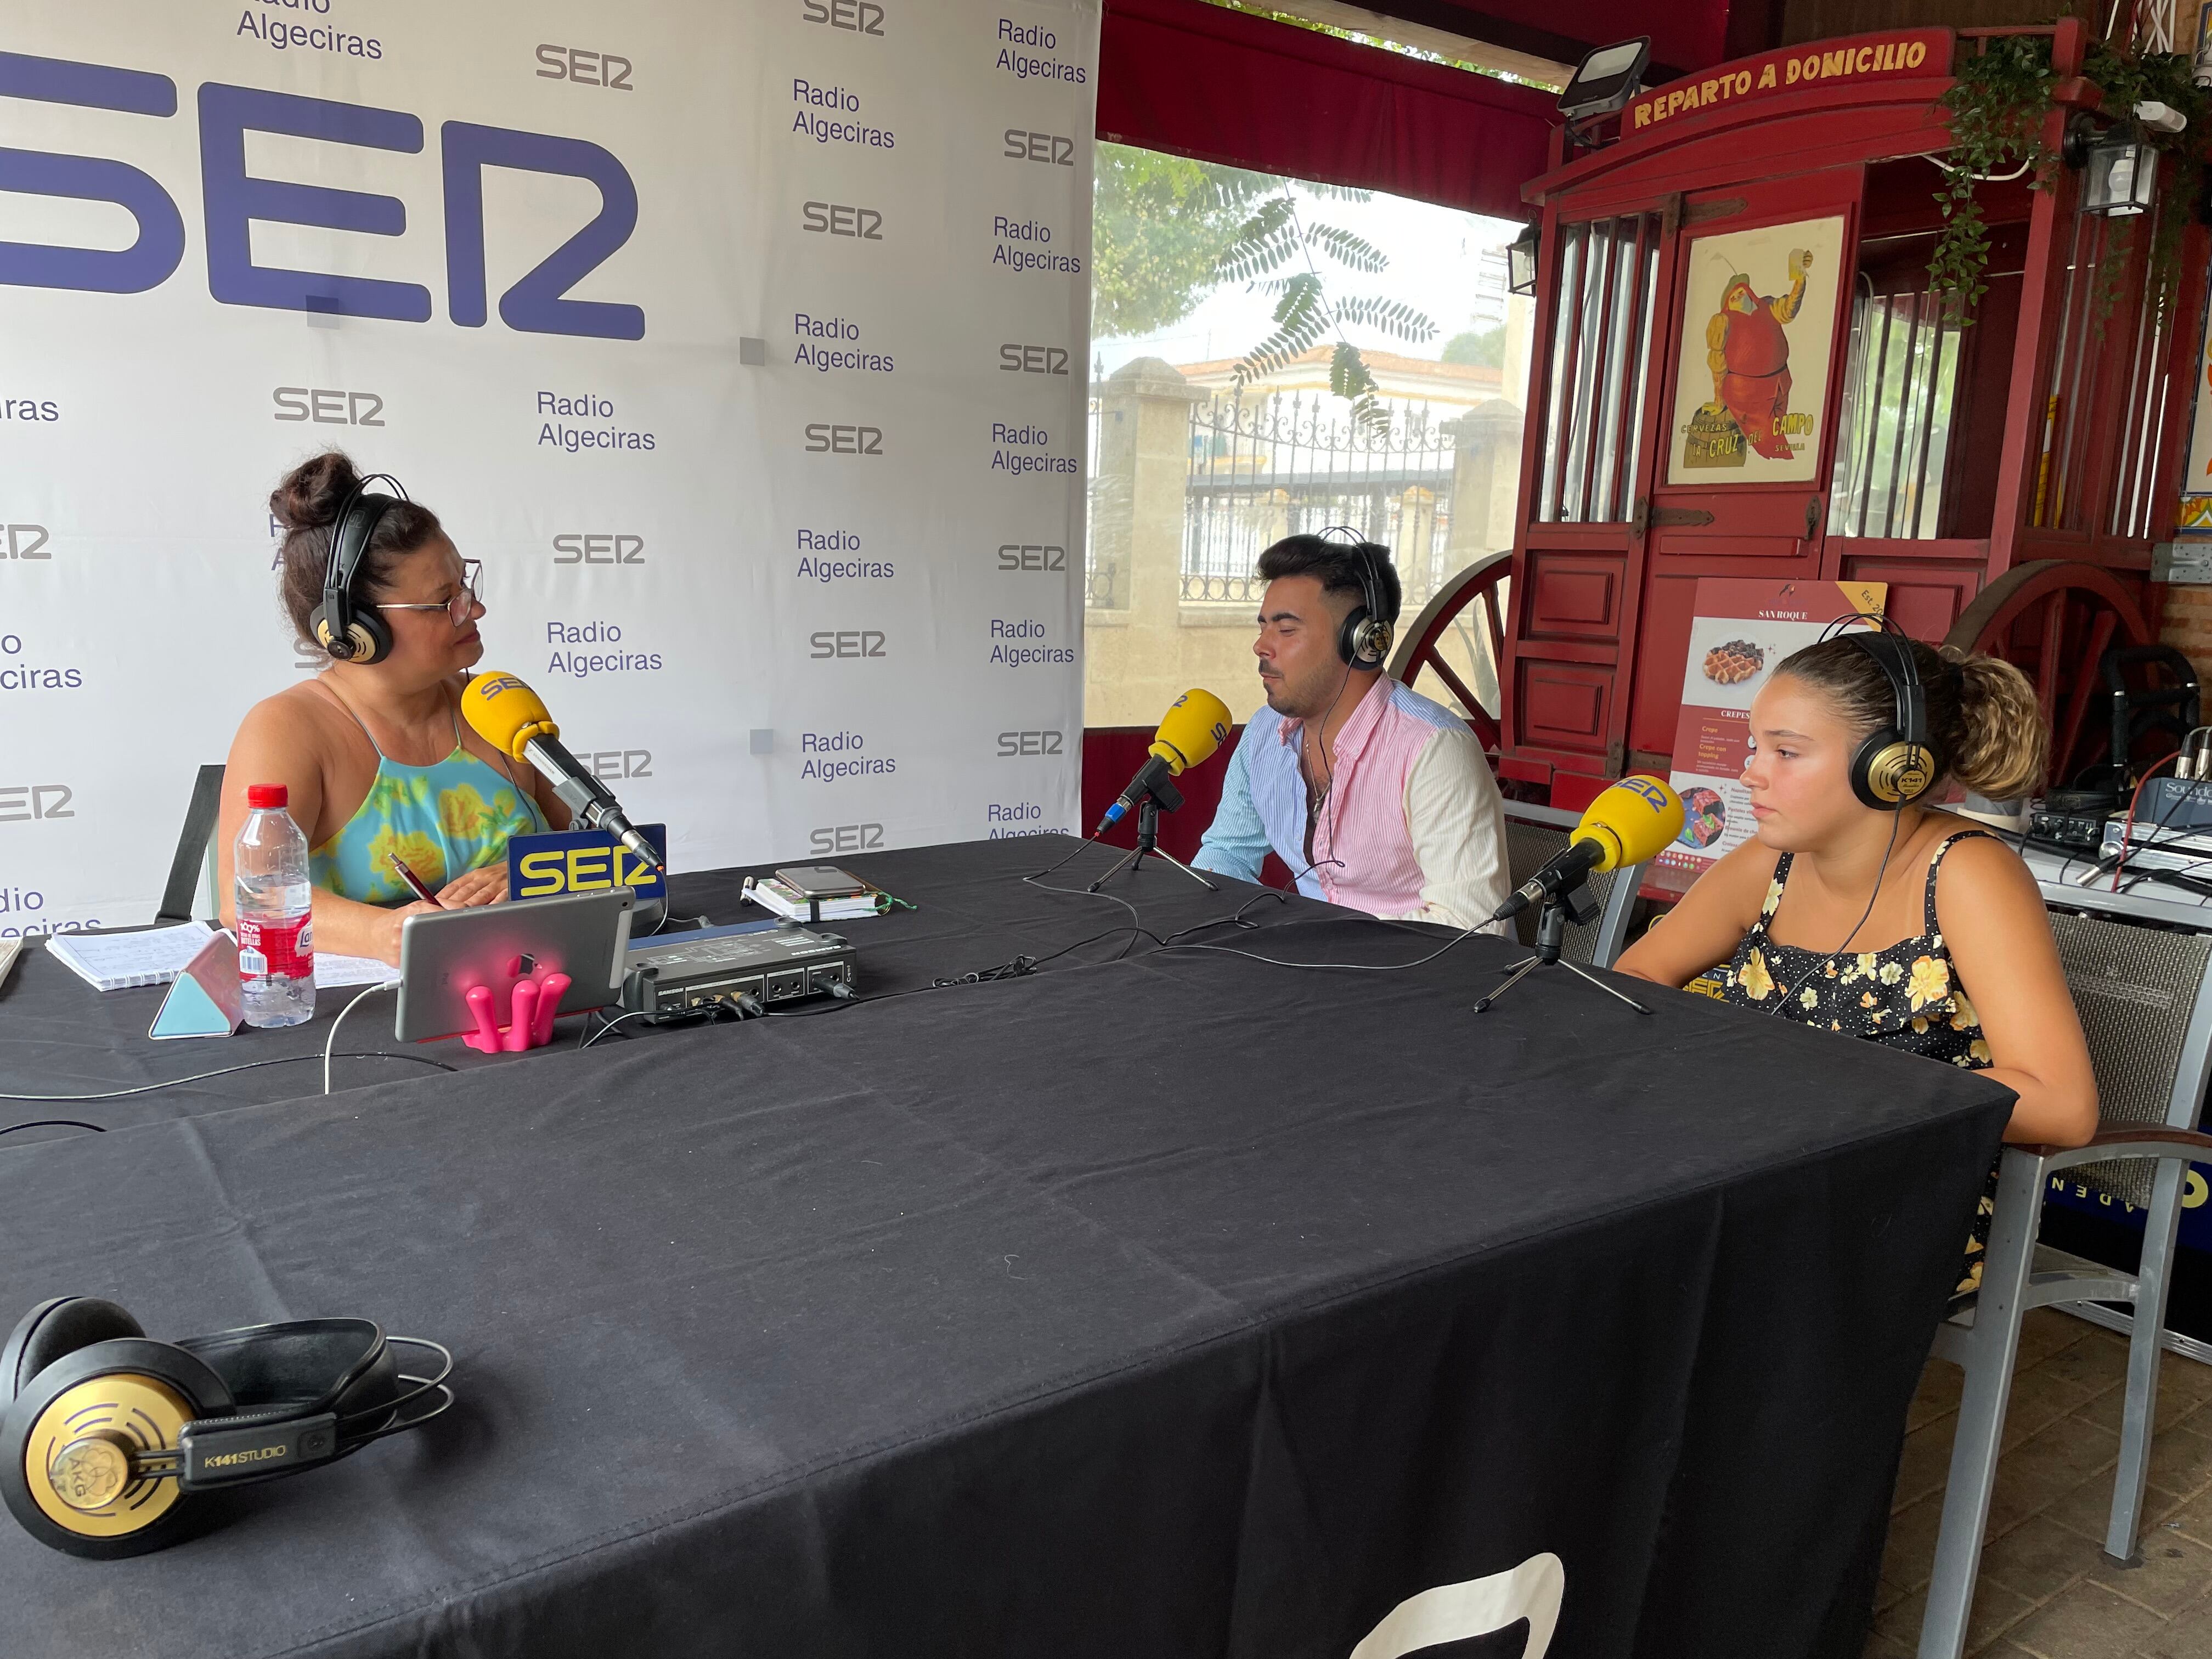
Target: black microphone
[(1570, 867), (1151, 779)]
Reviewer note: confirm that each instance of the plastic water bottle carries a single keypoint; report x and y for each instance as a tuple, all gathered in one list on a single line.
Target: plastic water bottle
[(276, 913)]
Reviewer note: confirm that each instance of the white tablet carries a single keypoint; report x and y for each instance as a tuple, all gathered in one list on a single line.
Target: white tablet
[(442, 953)]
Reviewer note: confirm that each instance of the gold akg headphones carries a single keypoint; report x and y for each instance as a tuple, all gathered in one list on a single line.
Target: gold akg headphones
[(106, 1434), (1895, 765)]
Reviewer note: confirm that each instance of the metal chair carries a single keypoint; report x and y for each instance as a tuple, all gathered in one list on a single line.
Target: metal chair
[(1536, 835), (193, 864), (2145, 1000)]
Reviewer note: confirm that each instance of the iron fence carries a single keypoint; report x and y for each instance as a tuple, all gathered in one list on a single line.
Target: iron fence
[(1266, 467)]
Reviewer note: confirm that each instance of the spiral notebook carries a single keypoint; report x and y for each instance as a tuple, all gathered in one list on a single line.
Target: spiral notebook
[(115, 962)]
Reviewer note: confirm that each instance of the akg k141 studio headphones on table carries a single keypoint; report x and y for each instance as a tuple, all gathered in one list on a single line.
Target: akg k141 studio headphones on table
[(350, 632), (105, 1433), (1895, 765)]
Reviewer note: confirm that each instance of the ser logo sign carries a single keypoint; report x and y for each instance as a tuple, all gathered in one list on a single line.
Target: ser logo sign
[(1014, 745), (824, 439), (1047, 148), (615, 548), (847, 642), (1031, 556), (231, 200), (20, 803), (327, 407), (585, 69), (618, 763), (835, 219), (854, 16), (1032, 360), (24, 541), (846, 838)]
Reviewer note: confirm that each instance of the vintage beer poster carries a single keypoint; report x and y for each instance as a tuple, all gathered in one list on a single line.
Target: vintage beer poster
[(1758, 326)]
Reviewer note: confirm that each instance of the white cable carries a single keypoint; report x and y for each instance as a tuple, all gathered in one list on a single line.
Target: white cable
[(331, 1046)]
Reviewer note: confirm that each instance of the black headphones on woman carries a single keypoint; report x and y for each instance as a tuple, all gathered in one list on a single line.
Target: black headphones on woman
[(349, 632), (106, 1433), (1364, 638), (1895, 764)]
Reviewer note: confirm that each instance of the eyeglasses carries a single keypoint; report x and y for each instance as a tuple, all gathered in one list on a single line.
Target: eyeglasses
[(460, 604)]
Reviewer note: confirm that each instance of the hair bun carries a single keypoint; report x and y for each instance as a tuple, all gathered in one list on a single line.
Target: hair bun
[(312, 492)]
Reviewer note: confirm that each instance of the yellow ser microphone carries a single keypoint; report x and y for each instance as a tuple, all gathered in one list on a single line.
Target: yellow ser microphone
[(1630, 823), (1195, 724), (513, 719)]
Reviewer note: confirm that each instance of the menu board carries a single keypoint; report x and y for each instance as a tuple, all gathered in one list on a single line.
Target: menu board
[(1742, 630)]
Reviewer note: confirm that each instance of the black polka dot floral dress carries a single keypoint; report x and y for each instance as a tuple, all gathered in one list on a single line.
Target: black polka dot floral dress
[(1906, 996)]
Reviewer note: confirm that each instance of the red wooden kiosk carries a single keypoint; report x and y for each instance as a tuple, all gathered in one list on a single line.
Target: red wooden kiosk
[(2006, 479)]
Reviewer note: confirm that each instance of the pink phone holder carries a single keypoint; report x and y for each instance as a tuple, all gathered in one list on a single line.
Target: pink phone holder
[(536, 1003)]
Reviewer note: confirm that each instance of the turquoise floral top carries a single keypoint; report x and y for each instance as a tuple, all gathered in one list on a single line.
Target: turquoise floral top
[(443, 821)]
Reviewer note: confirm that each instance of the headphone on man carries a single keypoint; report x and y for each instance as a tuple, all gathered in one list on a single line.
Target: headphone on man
[(1895, 764), (349, 632), (1364, 638), (106, 1433)]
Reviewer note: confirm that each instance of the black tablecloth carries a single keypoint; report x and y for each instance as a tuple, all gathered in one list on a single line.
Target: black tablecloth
[(1181, 1305), (59, 1037)]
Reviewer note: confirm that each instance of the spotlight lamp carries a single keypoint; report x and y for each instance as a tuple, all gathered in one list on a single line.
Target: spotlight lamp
[(1606, 79)]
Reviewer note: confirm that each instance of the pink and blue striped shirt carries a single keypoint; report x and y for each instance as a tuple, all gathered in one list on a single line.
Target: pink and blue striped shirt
[(1413, 828)]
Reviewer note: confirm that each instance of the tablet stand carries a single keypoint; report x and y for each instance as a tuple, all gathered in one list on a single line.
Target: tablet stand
[(537, 1004)]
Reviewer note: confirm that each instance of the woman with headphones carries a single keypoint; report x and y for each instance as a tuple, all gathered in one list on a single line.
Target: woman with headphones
[(378, 767), (1858, 911)]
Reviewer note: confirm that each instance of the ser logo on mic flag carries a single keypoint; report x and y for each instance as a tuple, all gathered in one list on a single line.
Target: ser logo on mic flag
[(584, 861)]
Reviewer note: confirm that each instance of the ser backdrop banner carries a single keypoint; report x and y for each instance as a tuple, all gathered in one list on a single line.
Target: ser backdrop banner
[(743, 342)]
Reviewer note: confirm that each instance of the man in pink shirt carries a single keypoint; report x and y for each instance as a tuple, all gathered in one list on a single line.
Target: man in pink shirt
[(1380, 797)]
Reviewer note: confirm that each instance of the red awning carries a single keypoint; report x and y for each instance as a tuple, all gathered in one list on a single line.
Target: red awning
[(1224, 86)]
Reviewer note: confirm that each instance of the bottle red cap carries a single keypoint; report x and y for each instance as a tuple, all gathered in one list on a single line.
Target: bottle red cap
[(259, 795)]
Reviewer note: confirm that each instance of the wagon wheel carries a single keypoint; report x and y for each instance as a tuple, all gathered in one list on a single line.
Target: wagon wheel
[(1423, 645), (2053, 619)]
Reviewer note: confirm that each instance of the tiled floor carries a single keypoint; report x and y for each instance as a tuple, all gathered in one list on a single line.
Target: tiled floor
[(2046, 1590)]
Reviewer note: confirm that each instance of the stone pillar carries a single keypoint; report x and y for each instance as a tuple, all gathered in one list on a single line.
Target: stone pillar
[(1485, 478), (1136, 539)]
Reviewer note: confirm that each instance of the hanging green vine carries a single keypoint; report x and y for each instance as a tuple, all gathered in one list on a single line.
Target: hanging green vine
[(2161, 78), (1997, 105)]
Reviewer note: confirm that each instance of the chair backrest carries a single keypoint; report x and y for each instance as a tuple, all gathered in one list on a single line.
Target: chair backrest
[(1536, 835), (192, 868), (2145, 1002)]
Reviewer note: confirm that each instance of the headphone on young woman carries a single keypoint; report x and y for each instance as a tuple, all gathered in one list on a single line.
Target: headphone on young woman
[(106, 1433), (350, 632), (1895, 764), (1364, 638)]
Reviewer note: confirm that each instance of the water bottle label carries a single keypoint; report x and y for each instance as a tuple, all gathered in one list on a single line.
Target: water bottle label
[(281, 950)]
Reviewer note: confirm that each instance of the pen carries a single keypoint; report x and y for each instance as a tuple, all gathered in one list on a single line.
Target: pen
[(414, 881)]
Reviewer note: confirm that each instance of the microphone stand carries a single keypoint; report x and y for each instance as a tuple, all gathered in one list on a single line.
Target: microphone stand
[(1575, 902), (1148, 839)]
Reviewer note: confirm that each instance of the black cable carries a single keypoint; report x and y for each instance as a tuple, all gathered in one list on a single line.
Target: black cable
[(226, 1070), (1088, 841), (590, 1038), (1895, 820), (1356, 967), (1236, 919), (53, 1123)]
